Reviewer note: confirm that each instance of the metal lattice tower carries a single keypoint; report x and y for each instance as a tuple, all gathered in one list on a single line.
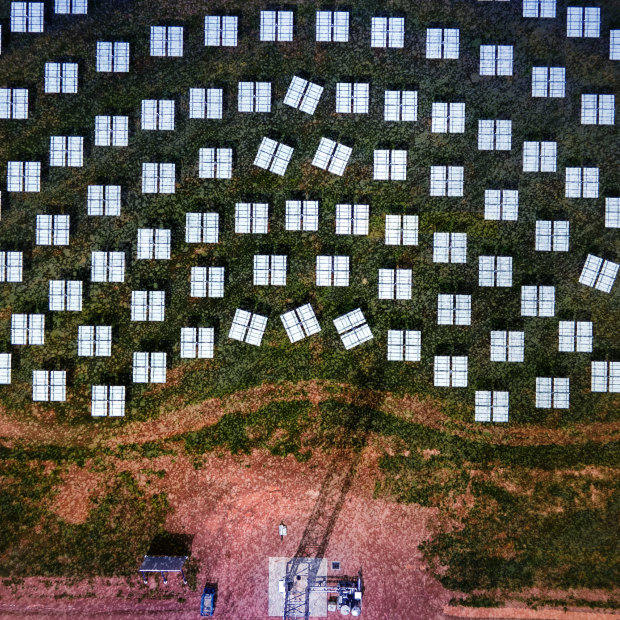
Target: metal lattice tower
[(301, 571)]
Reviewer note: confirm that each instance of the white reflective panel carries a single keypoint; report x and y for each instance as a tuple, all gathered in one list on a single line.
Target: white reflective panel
[(404, 345), (583, 21), (442, 43), (94, 340), (446, 181), (149, 367), (612, 212), (158, 178), (269, 270), (448, 118), (548, 81), (5, 368), (539, 156), (11, 266), (614, 45), (390, 165), (401, 105), (434, 43), (605, 377), (575, 336), (112, 56), (507, 346), (52, 230), (352, 329), (157, 114), (597, 109), (552, 393), (501, 204), (401, 230), (538, 301), (147, 305), (552, 236), (197, 342), (107, 267), (496, 59), (167, 41), (332, 26), (28, 329), (104, 200), (153, 243), (281, 159), (395, 283), (158, 367), (450, 371), (332, 271), (352, 98), (49, 385), (494, 135), (273, 156), (303, 95), (141, 367), (581, 183), (66, 151), (111, 130), (387, 32), (491, 406), (599, 273), (14, 103), (450, 247), (221, 30), (198, 282), (251, 217), (239, 325), (206, 103), (248, 327), (352, 219), (216, 281), (27, 16), (276, 25), (494, 271), (61, 77), (108, 400), (254, 97), (215, 163), (202, 227), (302, 215), (23, 176), (538, 8), (453, 309), (71, 7), (332, 156), (300, 323)]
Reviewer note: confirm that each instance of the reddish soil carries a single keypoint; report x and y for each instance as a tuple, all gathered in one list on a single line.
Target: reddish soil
[(233, 506), (73, 500)]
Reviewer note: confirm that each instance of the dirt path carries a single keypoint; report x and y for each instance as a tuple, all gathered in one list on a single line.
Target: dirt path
[(40, 429), (510, 613)]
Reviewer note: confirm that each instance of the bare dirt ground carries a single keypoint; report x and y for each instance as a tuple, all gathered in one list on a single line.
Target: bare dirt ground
[(233, 506)]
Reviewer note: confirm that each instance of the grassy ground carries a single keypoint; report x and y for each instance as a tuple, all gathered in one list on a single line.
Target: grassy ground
[(525, 518)]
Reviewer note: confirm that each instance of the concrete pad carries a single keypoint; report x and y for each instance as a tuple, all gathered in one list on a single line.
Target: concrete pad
[(277, 572)]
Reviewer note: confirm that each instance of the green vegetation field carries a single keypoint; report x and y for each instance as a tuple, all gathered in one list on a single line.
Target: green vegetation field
[(539, 515)]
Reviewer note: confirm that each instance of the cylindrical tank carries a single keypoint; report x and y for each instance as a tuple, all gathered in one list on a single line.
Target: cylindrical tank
[(356, 610), (345, 610)]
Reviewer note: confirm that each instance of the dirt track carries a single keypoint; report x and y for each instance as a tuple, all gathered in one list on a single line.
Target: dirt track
[(41, 429)]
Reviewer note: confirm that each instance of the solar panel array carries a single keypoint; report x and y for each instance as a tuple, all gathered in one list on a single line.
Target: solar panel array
[(302, 215)]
